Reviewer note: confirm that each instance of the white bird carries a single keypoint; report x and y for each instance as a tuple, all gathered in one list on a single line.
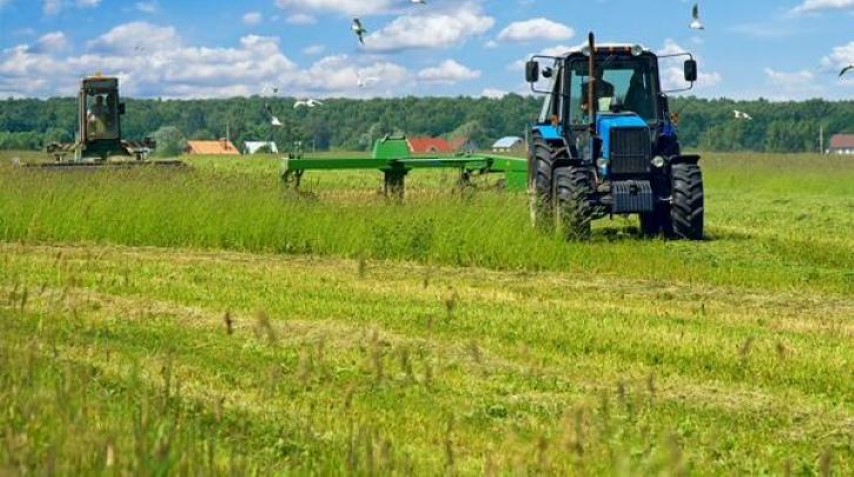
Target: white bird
[(274, 120), (420, 2), (695, 15), (308, 103), (359, 30), (363, 82), (741, 115)]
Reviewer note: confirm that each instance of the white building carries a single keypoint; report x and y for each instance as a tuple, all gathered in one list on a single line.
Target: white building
[(252, 147)]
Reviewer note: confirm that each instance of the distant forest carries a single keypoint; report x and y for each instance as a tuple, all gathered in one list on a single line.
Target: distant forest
[(350, 124)]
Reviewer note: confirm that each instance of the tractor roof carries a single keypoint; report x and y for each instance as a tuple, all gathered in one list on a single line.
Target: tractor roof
[(605, 48)]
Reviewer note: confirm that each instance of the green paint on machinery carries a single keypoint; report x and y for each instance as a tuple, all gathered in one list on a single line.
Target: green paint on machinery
[(392, 157)]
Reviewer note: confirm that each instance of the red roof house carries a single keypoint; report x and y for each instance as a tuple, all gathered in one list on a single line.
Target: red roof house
[(841, 144), (212, 148), (429, 145)]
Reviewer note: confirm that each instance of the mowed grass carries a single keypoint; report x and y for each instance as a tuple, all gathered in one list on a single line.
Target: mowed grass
[(210, 322)]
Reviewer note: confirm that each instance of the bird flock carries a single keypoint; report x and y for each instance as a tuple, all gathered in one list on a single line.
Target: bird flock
[(360, 31)]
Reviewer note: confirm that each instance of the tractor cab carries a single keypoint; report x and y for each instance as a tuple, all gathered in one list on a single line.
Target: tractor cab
[(605, 144), (100, 109)]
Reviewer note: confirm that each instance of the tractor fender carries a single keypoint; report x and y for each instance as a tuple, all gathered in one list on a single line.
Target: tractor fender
[(684, 159)]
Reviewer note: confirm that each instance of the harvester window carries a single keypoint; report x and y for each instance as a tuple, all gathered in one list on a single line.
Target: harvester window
[(101, 116)]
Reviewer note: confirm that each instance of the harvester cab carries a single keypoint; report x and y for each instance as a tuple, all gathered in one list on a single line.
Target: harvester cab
[(99, 129), (605, 144)]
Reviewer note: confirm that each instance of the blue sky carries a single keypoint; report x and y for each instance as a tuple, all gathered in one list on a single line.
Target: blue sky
[(777, 49)]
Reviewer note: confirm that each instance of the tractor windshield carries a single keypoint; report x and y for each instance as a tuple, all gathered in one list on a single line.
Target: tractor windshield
[(623, 84), (101, 114)]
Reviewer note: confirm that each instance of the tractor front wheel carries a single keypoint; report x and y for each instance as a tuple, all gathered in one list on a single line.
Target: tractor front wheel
[(687, 204), (574, 192), (540, 177)]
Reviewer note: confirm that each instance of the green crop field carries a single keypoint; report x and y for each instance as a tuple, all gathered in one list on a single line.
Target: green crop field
[(207, 321)]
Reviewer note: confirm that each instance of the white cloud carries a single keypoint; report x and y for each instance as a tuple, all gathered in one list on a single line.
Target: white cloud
[(147, 7), (839, 58), (53, 7), (252, 18), (813, 6), (430, 30), (794, 80), (792, 85), (154, 61), (493, 93), (348, 7), (557, 50), (536, 29), (4, 3), (137, 36), (338, 75), (447, 72), (53, 42), (672, 73), (301, 19), (312, 50)]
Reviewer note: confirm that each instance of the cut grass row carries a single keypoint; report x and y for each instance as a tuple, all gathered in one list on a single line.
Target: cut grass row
[(322, 365)]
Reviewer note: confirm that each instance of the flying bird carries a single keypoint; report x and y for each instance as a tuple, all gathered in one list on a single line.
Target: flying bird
[(308, 103), (359, 30), (695, 15), (274, 120), (420, 2), (741, 115), (267, 87), (845, 70), (363, 82)]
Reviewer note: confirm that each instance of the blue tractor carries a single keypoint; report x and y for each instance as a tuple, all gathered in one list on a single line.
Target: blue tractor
[(605, 144)]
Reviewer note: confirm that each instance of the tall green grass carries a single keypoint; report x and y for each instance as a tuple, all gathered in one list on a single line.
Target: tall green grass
[(772, 221)]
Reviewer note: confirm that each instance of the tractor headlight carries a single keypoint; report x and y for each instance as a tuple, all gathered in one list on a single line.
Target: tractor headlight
[(658, 162), (602, 163), (637, 50)]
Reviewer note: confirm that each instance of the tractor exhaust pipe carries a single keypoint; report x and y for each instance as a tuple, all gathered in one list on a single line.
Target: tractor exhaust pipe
[(591, 83)]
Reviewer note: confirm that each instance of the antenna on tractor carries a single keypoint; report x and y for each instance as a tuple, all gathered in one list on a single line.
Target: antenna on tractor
[(591, 83)]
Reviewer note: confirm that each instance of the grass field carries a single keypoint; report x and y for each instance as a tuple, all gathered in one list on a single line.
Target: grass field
[(210, 322)]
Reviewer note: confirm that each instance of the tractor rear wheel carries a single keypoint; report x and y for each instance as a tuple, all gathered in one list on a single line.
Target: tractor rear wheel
[(540, 177), (574, 192), (687, 204)]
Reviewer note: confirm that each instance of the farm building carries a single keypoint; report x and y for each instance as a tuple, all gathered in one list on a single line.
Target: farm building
[(212, 148), (463, 144), (841, 144), (252, 147), (508, 144), (429, 145)]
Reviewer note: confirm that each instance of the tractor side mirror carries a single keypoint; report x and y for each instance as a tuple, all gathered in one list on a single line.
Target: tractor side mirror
[(532, 71), (121, 108), (690, 70)]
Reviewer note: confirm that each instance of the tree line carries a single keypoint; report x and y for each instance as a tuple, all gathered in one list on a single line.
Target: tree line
[(706, 124)]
